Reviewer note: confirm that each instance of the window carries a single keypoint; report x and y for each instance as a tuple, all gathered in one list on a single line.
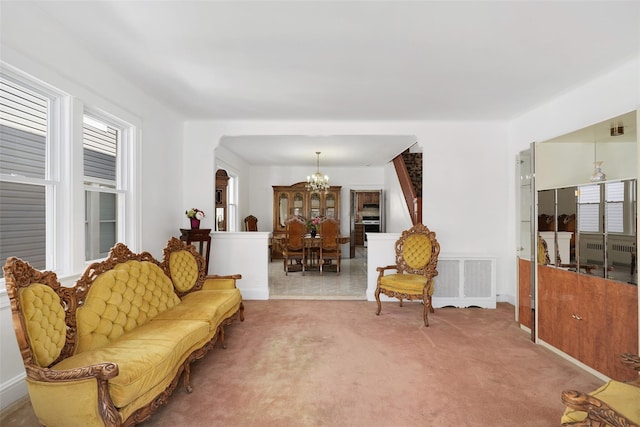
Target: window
[(43, 204), (100, 142), (589, 209), (232, 205), (25, 172), (614, 205)]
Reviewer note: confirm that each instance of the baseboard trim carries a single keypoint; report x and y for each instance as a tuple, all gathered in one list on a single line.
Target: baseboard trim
[(12, 391)]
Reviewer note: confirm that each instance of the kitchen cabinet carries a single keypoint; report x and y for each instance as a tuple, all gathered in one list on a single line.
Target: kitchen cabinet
[(359, 234), (368, 198)]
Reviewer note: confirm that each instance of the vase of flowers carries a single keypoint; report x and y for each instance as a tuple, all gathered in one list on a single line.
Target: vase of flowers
[(312, 226), (195, 215)]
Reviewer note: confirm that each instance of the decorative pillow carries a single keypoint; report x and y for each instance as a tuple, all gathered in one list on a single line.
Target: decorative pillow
[(44, 318)]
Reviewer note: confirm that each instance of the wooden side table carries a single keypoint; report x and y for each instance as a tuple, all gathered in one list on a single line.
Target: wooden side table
[(201, 235)]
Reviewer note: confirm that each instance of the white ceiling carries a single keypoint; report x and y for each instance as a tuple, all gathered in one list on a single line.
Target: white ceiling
[(353, 60)]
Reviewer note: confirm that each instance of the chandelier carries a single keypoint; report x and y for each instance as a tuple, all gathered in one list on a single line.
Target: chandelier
[(317, 181)]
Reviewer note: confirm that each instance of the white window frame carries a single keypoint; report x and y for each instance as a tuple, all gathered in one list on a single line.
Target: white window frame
[(54, 163), (123, 160), (64, 177)]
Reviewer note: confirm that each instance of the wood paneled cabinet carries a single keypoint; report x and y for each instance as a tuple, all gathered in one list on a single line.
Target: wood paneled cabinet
[(358, 235), (296, 200), (524, 293), (591, 319)]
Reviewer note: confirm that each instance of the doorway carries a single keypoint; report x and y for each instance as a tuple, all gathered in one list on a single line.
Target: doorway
[(366, 215)]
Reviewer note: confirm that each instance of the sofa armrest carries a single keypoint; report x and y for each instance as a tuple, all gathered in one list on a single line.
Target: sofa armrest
[(101, 371), (590, 408), (216, 282), (81, 395)]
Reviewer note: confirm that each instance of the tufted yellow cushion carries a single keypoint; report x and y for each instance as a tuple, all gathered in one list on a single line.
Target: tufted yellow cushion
[(417, 251), (149, 355), (624, 398), (120, 300), (184, 270), (406, 283), (44, 318)]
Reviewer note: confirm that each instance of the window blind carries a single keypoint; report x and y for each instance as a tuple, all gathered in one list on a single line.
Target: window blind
[(23, 154)]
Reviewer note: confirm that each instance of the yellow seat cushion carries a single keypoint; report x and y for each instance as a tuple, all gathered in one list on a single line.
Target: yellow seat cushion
[(405, 283), (147, 356), (208, 306), (624, 398)]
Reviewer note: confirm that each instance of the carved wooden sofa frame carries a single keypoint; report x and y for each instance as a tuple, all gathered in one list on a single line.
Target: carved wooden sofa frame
[(20, 275), (596, 409)]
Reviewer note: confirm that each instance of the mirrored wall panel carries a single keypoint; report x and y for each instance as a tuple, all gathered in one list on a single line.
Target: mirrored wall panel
[(590, 229)]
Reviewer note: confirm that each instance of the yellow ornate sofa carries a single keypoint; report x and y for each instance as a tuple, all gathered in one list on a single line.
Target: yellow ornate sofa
[(615, 403), (110, 350)]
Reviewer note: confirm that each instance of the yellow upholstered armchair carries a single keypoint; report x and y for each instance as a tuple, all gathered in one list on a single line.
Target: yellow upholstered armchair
[(614, 404), (416, 259)]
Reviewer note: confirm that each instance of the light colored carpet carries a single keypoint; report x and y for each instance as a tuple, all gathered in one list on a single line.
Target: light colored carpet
[(335, 363)]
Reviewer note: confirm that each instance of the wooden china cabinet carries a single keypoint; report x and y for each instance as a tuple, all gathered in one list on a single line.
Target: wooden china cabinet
[(296, 200)]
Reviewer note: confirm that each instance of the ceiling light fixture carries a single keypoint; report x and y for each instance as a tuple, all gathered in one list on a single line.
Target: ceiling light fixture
[(318, 182)]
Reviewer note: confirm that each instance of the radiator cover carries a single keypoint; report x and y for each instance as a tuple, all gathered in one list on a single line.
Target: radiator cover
[(465, 281)]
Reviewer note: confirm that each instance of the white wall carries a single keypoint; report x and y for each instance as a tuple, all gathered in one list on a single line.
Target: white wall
[(34, 45), (466, 169)]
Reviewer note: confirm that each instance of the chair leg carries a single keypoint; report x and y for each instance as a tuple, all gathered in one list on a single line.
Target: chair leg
[(427, 308), (377, 295)]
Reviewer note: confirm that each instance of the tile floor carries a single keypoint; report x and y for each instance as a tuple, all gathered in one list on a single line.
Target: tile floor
[(350, 284)]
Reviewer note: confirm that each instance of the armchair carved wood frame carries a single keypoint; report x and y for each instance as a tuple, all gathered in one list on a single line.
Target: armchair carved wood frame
[(599, 411), (416, 260)]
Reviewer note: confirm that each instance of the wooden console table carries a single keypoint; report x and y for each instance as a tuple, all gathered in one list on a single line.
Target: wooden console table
[(201, 235)]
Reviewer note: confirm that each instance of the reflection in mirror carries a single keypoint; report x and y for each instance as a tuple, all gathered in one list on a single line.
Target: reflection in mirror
[(607, 230), (546, 222), (566, 226), (591, 248), (283, 209), (620, 226)]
